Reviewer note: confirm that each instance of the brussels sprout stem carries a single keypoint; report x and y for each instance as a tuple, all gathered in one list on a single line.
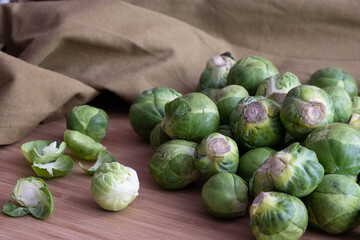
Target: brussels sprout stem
[(313, 113), (221, 61), (255, 112), (218, 147), (278, 165)]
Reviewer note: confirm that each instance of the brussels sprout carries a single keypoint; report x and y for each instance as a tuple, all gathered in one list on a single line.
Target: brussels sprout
[(337, 146), (217, 153), (42, 151), (296, 170), (225, 130), (249, 72), (210, 92), (255, 123), (334, 206), (172, 164), (355, 120), (81, 145), (149, 109), (103, 157), (252, 160), (355, 104), (275, 215), (334, 77), (88, 120), (226, 100), (59, 168), (261, 181), (114, 186), (276, 87), (225, 195), (191, 117), (304, 109), (158, 136), (216, 72), (342, 103)]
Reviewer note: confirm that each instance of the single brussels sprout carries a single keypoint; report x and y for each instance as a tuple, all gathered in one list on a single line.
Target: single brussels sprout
[(114, 186), (42, 151), (334, 77), (149, 109), (276, 87), (225, 195), (296, 170), (261, 181), (191, 117), (342, 103), (81, 145), (252, 160), (249, 72), (275, 215), (88, 120), (158, 136), (355, 104), (226, 100), (210, 92), (355, 120), (216, 72), (225, 130), (304, 109), (337, 146), (255, 122), (103, 157), (334, 206), (62, 166), (217, 153), (172, 164)]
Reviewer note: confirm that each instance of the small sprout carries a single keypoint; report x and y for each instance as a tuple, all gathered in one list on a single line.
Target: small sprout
[(62, 166), (103, 157), (158, 136), (42, 151), (342, 103)]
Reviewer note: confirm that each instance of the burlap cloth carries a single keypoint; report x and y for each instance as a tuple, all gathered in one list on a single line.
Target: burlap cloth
[(55, 55)]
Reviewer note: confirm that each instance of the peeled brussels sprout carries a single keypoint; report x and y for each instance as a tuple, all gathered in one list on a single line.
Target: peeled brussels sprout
[(261, 181), (172, 164), (42, 151), (114, 186), (191, 117), (276, 87), (88, 120), (255, 122), (224, 195), (226, 100), (337, 146), (355, 120), (158, 136), (217, 153), (148, 109), (249, 72), (334, 206), (275, 215), (355, 104), (210, 92), (216, 72), (334, 77), (225, 130), (304, 109), (342, 103), (103, 157), (62, 166)]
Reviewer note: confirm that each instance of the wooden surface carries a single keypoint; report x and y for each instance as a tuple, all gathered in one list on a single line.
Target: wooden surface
[(155, 213)]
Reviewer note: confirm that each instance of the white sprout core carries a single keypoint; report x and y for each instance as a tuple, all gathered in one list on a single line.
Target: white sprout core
[(50, 150), (29, 192)]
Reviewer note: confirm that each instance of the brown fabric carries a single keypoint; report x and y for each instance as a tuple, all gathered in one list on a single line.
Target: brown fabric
[(60, 54)]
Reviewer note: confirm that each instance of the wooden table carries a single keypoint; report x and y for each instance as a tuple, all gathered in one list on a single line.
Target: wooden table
[(155, 213)]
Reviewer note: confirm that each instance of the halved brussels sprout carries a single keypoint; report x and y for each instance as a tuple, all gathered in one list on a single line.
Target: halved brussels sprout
[(355, 120), (355, 104), (103, 157), (225, 195), (275, 215), (210, 92), (114, 186), (88, 120), (249, 72), (225, 130), (342, 103), (261, 181), (304, 109), (42, 151), (158, 136), (62, 166), (148, 109), (217, 153)]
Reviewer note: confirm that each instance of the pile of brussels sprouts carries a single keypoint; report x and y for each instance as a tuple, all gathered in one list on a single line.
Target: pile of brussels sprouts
[(261, 137)]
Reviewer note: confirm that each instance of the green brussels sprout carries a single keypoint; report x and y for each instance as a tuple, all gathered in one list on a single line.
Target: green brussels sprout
[(261, 181), (217, 153), (42, 151), (275, 215), (225, 130), (337, 146), (334, 77), (88, 120), (355, 120), (355, 104), (158, 136), (216, 72), (226, 100), (103, 157), (114, 186), (296, 170), (172, 164), (62, 166), (255, 122), (334, 206), (225, 195), (249, 72), (276, 87), (149, 109), (210, 92), (81, 145), (191, 117), (304, 109), (252, 160), (342, 103)]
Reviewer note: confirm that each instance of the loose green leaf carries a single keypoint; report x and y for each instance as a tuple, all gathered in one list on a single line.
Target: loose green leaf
[(42, 151), (104, 157), (14, 211), (62, 166)]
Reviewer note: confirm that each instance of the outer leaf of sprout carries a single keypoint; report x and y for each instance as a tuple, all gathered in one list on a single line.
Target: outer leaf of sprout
[(42, 151), (103, 157), (14, 211), (62, 166)]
